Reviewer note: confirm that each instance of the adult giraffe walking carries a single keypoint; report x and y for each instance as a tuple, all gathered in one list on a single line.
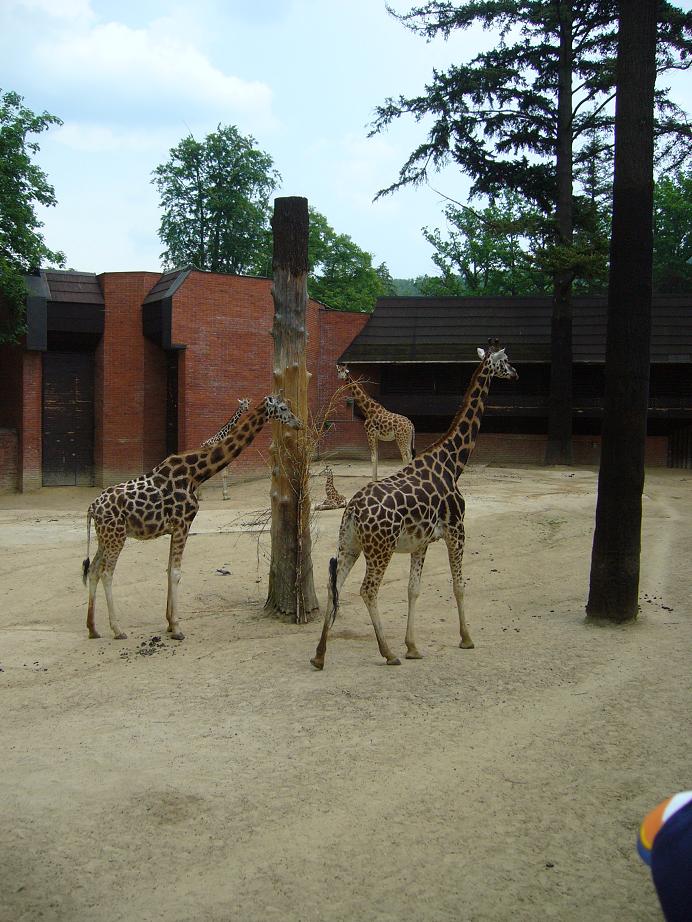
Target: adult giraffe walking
[(409, 510), (163, 502)]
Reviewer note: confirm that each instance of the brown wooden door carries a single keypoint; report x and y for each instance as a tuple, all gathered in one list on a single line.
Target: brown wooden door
[(68, 419)]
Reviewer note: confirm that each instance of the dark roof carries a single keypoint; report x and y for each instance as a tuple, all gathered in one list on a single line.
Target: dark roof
[(74, 287), (167, 285), (450, 329)]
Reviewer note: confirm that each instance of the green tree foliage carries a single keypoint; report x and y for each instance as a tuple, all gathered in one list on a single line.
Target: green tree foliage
[(23, 185), (488, 252), (342, 275), (673, 234), (215, 195)]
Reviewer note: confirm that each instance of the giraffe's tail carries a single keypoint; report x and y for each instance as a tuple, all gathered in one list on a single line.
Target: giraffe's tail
[(332, 585), (86, 561), (413, 443)]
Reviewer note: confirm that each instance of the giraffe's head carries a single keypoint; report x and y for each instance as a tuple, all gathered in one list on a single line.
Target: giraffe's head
[(243, 404), (277, 409), (342, 372), (497, 360)]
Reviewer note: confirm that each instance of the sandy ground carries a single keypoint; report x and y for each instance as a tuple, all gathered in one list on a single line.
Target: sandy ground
[(222, 778)]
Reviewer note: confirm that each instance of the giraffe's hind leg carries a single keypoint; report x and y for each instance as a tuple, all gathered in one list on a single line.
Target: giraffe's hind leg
[(94, 575), (110, 559), (374, 572), (344, 564), (417, 561)]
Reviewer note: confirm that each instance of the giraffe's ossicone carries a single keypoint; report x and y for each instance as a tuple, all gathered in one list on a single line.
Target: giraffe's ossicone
[(406, 512)]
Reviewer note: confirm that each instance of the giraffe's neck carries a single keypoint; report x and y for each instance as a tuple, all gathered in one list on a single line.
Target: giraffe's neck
[(224, 430), (216, 457), (364, 401), (454, 448)]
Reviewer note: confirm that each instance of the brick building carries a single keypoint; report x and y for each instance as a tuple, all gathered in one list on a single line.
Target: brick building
[(118, 370), (419, 354)]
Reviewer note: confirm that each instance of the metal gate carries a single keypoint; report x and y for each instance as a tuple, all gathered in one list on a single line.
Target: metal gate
[(68, 419)]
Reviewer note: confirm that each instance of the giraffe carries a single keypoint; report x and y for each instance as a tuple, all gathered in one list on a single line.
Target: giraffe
[(406, 512), (243, 407), (380, 424), (334, 499), (164, 502)]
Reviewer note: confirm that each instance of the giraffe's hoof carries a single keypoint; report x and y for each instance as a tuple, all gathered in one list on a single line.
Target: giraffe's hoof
[(94, 635), (466, 644), (394, 661), (121, 636), (317, 663), (177, 635), (414, 654)]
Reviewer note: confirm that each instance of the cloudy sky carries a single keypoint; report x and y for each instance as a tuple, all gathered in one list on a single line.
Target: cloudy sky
[(130, 79)]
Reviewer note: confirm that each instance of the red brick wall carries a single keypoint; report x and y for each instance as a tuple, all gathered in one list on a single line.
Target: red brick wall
[(120, 378), (225, 323), (154, 435), (9, 455)]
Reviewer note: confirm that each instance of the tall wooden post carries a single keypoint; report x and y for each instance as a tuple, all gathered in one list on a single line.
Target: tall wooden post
[(291, 588)]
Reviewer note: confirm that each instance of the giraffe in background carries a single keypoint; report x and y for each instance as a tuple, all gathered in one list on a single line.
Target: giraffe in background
[(164, 502), (243, 407), (380, 424), (409, 510), (334, 499)]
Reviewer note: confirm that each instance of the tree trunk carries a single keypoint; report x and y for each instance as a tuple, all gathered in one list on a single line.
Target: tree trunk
[(559, 445), (614, 585), (291, 588)]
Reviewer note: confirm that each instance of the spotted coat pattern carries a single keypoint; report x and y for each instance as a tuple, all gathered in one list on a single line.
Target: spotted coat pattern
[(224, 431), (163, 502), (334, 499), (380, 424), (406, 512)]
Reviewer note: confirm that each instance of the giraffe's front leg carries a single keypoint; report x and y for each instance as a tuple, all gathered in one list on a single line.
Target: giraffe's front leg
[(417, 561), (372, 443), (454, 539), (178, 540), (224, 484)]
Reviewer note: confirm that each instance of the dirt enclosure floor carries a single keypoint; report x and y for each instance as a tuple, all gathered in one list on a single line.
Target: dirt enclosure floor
[(223, 778)]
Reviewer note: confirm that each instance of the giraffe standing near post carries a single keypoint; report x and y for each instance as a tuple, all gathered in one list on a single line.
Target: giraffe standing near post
[(334, 499), (164, 502), (409, 510), (224, 431), (380, 424)]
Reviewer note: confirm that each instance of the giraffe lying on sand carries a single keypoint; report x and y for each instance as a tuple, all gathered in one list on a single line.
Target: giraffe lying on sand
[(243, 407), (381, 424), (164, 502), (408, 511), (334, 499)]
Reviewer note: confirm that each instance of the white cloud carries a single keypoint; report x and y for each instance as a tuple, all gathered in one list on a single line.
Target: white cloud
[(58, 9), (148, 69), (96, 138)]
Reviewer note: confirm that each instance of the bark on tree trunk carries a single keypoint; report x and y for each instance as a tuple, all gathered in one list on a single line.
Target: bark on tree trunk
[(614, 585), (291, 589), (559, 444)]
